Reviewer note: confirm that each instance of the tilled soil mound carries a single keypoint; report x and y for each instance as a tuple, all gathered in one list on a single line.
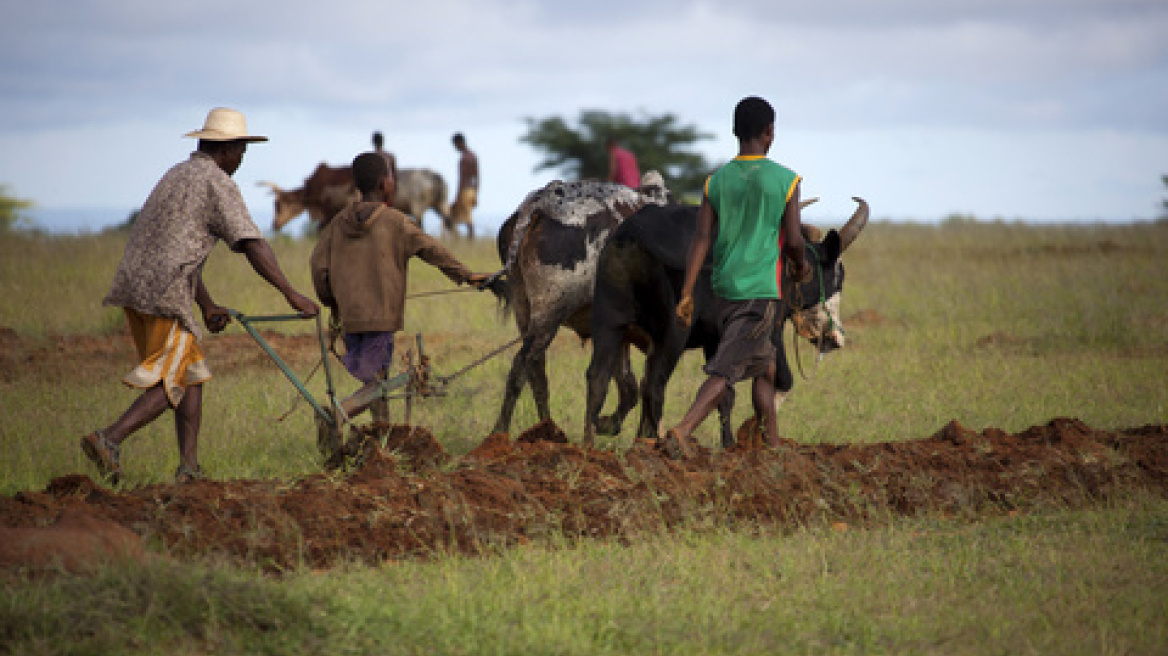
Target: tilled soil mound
[(405, 496)]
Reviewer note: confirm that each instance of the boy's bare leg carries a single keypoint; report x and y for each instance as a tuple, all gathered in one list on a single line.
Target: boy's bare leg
[(708, 396), (187, 419), (370, 396), (677, 440), (763, 396), (360, 400)]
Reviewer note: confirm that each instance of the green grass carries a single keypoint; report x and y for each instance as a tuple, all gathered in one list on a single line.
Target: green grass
[(1062, 583), (991, 324)]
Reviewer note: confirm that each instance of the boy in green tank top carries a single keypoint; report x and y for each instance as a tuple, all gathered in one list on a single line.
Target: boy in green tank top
[(753, 205)]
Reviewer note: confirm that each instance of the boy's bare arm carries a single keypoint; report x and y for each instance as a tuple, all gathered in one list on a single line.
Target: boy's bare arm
[(793, 246), (432, 252), (707, 219)]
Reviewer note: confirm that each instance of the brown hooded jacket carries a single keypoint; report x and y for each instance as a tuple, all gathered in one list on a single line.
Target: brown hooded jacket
[(360, 263)]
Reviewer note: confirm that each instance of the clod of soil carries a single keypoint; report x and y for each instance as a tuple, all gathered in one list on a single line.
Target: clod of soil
[(409, 498), (867, 318), (1001, 339), (78, 541)]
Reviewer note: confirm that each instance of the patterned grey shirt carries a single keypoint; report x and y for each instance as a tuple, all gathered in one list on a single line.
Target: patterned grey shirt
[(192, 207)]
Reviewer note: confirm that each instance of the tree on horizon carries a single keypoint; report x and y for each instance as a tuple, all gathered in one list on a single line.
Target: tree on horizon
[(11, 209), (660, 143), (1164, 203)]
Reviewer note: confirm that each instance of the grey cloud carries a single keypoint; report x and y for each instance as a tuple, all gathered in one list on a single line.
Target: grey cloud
[(835, 63)]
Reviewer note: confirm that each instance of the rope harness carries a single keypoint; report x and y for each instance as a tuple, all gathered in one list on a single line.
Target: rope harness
[(799, 324)]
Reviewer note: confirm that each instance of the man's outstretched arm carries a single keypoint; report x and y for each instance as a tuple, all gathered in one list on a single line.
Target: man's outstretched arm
[(263, 260)]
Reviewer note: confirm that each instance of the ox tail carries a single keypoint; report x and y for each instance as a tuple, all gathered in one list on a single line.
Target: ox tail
[(510, 238), (500, 286), (523, 217)]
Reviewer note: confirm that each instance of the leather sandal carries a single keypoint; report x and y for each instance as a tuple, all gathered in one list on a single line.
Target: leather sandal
[(104, 454), (677, 447)]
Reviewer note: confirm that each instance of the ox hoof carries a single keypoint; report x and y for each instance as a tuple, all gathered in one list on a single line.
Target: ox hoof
[(608, 426), (646, 443)]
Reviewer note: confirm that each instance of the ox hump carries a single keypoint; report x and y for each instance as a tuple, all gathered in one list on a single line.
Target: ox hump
[(591, 205), (574, 203)]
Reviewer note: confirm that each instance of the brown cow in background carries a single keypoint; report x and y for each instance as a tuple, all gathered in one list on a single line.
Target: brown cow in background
[(329, 189)]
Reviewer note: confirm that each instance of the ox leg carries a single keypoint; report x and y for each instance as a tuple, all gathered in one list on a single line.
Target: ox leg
[(659, 365), (610, 354), (626, 387), (516, 379), (605, 354), (725, 410), (784, 380), (725, 406), (527, 367), (539, 383)]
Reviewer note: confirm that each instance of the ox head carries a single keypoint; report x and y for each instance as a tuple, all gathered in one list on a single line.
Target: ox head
[(654, 189), (288, 204), (815, 305)]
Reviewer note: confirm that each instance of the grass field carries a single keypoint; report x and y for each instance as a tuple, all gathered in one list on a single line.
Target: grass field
[(991, 324)]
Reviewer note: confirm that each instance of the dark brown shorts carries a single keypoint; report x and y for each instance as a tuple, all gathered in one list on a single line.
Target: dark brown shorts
[(745, 350)]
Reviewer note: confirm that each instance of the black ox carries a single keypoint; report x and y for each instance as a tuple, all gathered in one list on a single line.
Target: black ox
[(638, 282)]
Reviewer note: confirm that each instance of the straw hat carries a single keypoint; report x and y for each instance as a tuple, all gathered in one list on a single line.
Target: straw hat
[(224, 124)]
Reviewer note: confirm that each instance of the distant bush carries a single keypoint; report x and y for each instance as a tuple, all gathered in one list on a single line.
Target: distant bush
[(11, 208)]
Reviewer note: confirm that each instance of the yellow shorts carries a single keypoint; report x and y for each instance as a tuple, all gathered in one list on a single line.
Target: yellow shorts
[(168, 354), (460, 212)]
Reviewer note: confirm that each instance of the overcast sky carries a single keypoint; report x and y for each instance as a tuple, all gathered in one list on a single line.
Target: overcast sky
[(1019, 109)]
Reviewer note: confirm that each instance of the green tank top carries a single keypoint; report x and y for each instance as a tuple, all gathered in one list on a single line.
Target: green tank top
[(749, 195)]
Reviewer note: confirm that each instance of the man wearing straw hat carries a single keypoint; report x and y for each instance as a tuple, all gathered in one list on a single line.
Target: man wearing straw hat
[(159, 280)]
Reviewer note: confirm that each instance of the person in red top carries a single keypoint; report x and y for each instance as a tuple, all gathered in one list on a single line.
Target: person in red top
[(622, 165)]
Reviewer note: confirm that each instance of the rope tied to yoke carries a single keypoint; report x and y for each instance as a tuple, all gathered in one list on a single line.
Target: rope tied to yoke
[(798, 323)]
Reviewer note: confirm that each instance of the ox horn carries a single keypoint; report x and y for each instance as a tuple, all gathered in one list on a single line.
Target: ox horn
[(852, 228), (809, 201), (270, 185)]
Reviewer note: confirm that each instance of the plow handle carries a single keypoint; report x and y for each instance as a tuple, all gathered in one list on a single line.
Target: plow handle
[(329, 416)]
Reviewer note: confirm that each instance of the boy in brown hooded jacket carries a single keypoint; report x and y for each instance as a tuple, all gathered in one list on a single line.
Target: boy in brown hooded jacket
[(359, 271)]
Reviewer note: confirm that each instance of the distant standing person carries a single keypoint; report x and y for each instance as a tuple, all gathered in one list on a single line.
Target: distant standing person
[(160, 279), (359, 268), (379, 146), (622, 165), (466, 196), (750, 217), (390, 160)]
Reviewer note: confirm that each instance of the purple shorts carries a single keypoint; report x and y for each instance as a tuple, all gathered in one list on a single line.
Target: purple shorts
[(367, 354)]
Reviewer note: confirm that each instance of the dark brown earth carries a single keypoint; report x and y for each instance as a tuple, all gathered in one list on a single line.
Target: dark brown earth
[(410, 498), (403, 496)]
